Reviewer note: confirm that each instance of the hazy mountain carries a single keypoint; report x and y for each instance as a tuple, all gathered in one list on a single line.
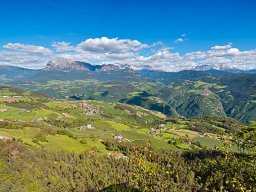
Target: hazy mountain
[(220, 67)]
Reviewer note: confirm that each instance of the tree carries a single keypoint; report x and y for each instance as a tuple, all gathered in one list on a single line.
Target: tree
[(245, 138)]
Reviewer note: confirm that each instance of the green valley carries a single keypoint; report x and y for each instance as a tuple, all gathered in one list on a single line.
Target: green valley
[(117, 136)]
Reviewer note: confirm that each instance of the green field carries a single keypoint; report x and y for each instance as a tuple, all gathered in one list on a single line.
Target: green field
[(25, 134), (33, 115), (210, 143), (65, 143)]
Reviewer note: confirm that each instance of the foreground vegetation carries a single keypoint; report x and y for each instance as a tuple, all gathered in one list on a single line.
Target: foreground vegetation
[(146, 169), (66, 145)]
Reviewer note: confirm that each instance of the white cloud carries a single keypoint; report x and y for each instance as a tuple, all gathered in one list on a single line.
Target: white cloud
[(126, 51), (62, 46), (179, 40), (32, 49), (22, 59), (182, 38), (166, 55), (225, 54), (23, 55), (115, 45), (223, 47)]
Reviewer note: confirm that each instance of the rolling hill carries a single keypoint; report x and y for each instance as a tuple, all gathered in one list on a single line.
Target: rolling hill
[(188, 94), (66, 144)]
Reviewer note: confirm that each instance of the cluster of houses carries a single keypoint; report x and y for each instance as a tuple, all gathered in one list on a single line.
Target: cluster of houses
[(88, 108), (118, 137), (157, 131), (116, 155), (11, 99), (12, 96), (154, 131), (206, 92), (84, 127)]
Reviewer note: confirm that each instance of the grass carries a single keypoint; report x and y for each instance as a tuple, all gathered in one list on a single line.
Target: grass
[(19, 114), (184, 133), (16, 114), (95, 133), (143, 139), (119, 126), (169, 135), (7, 92), (195, 91), (3, 106), (58, 105), (26, 134), (208, 142), (133, 135), (116, 119), (142, 131), (55, 142), (160, 144), (65, 143), (103, 125), (183, 146)]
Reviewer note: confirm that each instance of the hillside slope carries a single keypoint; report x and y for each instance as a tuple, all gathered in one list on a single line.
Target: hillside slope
[(183, 94)]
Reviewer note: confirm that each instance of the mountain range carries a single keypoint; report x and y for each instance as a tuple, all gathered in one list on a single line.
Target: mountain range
[(204, 91), (68, 65)]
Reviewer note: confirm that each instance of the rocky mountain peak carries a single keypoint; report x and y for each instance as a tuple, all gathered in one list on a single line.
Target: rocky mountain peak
[(219, 67), (68, 65)]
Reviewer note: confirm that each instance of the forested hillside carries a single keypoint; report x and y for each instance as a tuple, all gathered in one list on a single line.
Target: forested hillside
[(186, 94), (50, 144)]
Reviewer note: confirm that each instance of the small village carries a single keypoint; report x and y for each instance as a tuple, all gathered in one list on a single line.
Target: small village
[(88, 108)]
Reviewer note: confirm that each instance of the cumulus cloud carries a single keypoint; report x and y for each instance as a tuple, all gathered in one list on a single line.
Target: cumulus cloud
[(22, 59), (62, 46), (32, 49), (222, 47), (126, 52), (18, 54), (114, 45), (225, 55)]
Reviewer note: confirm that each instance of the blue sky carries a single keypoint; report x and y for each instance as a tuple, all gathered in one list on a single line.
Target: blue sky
[(183, 26)]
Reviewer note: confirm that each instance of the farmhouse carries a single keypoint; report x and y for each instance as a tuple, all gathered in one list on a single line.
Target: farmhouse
[(115, 155), (154, 131), (25, 111), (206, 92), (86, 127), (163, 127), (4, 138), (10, 100), (3, 110), (118, 137)]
